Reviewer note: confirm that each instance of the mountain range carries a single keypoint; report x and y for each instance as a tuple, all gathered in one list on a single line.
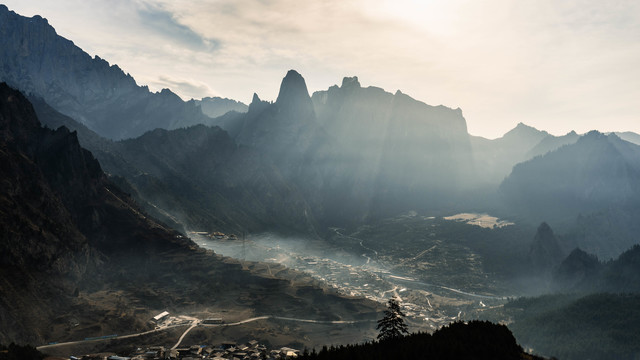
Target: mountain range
[(342, 156), (38, 61)]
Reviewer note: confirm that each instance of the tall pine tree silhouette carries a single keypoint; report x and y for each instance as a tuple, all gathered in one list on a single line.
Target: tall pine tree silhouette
[(392, 325)]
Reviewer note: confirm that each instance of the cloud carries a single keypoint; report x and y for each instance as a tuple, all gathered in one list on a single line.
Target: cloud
[(189, 89), (164, 25)]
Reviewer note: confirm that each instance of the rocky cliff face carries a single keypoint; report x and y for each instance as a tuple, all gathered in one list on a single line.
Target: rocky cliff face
[(47, 177), (38, 61), (392, 152), (43, 252), (358, 152), (287, 130)]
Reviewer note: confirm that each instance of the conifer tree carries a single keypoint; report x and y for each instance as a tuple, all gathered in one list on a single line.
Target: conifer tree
[(392, 325)]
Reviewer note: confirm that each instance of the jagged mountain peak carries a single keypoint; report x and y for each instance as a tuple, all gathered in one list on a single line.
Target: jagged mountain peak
[(599, 140), (523, 129), (5, 10), (292, 89), (167, 93), (350, 82), (594, 134), (544, 231), (257, 105), (579, 259), (629, 136)]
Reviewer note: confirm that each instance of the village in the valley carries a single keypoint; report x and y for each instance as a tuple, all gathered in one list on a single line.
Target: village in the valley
[(249, 351), (427, 306)]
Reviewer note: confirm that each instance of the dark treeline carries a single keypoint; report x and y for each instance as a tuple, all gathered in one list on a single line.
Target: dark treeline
[(459, 340)]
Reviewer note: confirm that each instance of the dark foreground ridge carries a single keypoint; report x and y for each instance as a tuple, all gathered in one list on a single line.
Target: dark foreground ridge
[(459, 340)]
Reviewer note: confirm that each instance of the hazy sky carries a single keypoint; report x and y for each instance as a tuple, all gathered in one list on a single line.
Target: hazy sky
[(555, 65)]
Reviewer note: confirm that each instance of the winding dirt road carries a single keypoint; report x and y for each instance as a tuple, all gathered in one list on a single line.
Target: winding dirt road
[(195, 323)]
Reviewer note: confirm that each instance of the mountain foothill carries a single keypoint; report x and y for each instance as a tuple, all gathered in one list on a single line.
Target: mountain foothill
[(115, 168)]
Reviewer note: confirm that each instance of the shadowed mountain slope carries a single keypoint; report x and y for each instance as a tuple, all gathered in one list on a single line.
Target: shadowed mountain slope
[(596, 172), (197, 177), (583, 272), (496, 158), (77, 250)]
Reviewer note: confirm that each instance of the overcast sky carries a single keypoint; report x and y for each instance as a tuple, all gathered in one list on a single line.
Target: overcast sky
[(555, 65)]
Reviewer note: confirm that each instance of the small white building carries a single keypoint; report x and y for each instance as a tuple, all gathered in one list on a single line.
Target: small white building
[(158, 318)]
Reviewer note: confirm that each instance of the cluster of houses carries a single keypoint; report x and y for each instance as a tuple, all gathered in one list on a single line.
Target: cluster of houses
[(226, 351), (347, 279), (215, 235)]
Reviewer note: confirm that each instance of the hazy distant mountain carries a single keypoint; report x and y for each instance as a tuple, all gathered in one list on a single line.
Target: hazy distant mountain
[(581, 271), (545, 253), (214, 107), (38, 61), (629, 136), (606, 233), (550, 143), (578, 272), (495, 158), (595, 173)]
